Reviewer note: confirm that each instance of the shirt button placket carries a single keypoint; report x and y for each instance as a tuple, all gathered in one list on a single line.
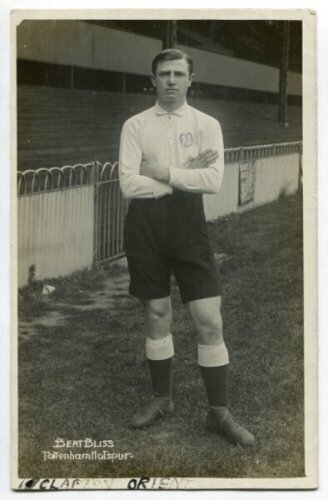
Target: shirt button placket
[(169, 139)]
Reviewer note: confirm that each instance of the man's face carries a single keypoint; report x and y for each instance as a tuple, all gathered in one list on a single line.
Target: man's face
[(172, 80)]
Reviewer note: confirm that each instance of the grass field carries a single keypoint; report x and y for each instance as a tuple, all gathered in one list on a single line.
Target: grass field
[(82, 370)]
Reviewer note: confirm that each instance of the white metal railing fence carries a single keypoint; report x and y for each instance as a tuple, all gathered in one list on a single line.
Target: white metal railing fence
[(110, 209), (81, 174), (109, 205), (32, 182), (261, 151), (100, 183), (257, 174)]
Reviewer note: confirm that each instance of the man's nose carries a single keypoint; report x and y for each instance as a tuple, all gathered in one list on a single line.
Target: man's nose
[(172, 79)]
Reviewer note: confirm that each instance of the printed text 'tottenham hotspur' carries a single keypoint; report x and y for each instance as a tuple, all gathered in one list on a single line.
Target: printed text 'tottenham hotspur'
[(83, 443), (88, 449)]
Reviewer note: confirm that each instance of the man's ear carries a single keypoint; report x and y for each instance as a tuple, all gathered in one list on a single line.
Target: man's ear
[(152, 79), (191, 78)]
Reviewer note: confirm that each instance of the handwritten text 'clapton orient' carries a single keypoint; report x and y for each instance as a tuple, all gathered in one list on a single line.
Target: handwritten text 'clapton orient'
[(168, 483)]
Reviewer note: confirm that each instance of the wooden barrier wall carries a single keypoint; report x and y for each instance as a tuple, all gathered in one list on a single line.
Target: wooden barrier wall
[(274, 176), (56, 229), (55, 232)]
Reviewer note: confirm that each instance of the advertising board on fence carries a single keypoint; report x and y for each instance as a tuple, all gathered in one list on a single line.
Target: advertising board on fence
[(247, 178)]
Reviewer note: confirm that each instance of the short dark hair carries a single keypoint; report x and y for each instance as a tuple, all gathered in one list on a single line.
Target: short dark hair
[(171, 55)]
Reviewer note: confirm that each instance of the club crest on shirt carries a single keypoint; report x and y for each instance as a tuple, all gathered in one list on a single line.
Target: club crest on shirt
[(186, 139)]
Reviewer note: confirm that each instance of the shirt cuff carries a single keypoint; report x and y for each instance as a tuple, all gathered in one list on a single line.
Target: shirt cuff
[(160, 190), (175, 181)]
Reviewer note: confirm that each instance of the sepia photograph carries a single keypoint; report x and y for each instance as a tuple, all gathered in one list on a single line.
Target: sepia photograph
[(150, 147)]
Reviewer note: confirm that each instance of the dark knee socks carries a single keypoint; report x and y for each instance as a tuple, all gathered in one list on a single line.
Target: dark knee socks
[(215, 380), (160, 372)]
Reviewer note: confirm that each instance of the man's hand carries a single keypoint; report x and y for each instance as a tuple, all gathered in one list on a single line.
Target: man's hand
[(203, 160), (151, 168)]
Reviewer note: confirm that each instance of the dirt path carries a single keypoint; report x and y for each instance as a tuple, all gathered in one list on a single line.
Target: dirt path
[(114, 289)]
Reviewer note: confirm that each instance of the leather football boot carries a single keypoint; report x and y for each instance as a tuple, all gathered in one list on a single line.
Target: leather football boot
[(221, 421), (151, 412)]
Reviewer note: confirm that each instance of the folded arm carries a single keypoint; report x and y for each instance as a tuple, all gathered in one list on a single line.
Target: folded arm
[(132, 182), (202, 174)]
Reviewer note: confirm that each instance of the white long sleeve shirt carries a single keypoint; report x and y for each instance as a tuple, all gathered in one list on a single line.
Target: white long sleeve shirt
[(172, 138)]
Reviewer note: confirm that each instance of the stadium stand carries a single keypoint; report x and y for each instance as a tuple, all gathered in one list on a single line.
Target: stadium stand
[(57, 126)]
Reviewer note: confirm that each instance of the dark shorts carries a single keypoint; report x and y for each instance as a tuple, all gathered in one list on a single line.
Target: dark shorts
[(169, 235)]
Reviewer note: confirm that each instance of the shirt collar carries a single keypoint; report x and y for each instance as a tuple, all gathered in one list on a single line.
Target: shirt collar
[(179, 112)]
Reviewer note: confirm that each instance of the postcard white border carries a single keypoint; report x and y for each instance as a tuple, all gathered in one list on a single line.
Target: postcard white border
[(310, 227)]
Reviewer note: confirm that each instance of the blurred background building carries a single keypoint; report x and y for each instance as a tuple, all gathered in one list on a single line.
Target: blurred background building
[(79, 80)]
